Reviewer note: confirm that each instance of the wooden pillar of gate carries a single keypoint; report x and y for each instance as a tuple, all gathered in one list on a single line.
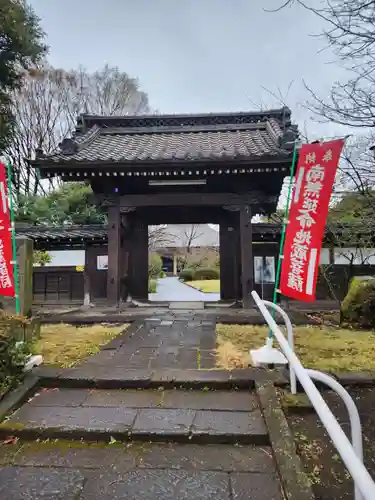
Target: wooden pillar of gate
[(247, 265), (236, 256), (227, 261), (139, 259), (114, 255), (87, 277), (126, 233)]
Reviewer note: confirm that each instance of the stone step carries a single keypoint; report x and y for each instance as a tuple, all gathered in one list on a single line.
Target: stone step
[(93, 375), (144, 415), (184, 305), (138, 471)]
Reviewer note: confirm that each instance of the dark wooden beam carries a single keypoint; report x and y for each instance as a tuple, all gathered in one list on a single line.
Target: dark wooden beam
[(237, 256), (126, 235), (183, 215), (227, 263), (87, 278), (139, 260), (114, 247), (183, 199), (247, 264)]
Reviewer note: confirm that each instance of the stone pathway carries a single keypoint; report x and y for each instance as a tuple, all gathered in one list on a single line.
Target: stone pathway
[(172, 289), (168, 442), (182, 340), (67, 471)]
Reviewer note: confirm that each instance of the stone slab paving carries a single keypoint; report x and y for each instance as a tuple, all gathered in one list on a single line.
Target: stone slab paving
[(223, 415), (172, 289), (201, 438), (80, 471), (171, 341)]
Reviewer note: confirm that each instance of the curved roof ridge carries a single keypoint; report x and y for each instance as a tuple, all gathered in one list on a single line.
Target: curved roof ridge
[(225, 118)]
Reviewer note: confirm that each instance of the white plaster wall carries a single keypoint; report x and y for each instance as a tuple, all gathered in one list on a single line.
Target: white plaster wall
[(324, 256), (341, 256), (67, 258), (361, 256)]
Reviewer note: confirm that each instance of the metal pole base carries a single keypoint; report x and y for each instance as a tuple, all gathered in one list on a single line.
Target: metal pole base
[(267, 355), (32, 362)]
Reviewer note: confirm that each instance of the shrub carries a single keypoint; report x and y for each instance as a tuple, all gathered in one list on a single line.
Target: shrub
[(187, 274), (358, 307), (194, 263), (206, 274), (12, 354), (152, 286), (162, 274), (41, 257), (154, 265)]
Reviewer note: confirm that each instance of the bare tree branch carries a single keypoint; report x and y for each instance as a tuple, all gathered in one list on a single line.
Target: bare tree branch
[(191, 233), (47, 106), (349, 29), (159, 237)]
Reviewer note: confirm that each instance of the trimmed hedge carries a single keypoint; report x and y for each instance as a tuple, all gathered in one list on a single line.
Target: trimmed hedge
[(187, 274), (13, 329), (206, 274), (358, 307)]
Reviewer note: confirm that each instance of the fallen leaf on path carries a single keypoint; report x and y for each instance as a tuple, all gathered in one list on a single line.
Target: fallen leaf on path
[(11, 440)]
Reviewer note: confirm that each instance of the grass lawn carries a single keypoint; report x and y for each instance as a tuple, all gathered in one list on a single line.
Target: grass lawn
[(324, 348), (65, 345), (207, 286)]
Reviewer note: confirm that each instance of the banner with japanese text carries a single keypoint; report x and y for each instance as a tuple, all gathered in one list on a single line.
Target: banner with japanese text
[(6, 268), (315, 176)]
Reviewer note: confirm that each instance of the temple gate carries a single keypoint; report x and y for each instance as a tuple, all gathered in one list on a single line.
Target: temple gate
[(174, 169)]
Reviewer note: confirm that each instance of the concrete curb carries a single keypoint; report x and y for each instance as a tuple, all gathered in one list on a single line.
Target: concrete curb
[(90, 320), (77, 378), (17, 397), (347, 379), (223, 318), (129, 436), (294, 480)]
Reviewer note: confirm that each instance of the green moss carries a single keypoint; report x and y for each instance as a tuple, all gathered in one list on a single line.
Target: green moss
[(8, 452), (358, 307), (15, 426), (53, 444), (295, 400)]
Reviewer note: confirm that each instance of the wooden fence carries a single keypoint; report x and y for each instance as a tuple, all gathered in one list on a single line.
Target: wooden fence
[(64, 285), (57, 284)]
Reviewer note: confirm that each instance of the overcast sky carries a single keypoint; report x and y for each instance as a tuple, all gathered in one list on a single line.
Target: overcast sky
[(198, 55)]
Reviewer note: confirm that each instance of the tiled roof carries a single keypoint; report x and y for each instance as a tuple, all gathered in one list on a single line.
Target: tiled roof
[(61, 233), (77, 235), (70, 236), (240, 136)]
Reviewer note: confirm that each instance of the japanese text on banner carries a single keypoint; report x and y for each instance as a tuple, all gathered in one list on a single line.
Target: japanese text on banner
[(6, 268), (315, 176)]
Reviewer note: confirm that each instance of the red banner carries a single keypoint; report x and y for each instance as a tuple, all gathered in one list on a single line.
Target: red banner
[(315, 176), (6, 269)]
